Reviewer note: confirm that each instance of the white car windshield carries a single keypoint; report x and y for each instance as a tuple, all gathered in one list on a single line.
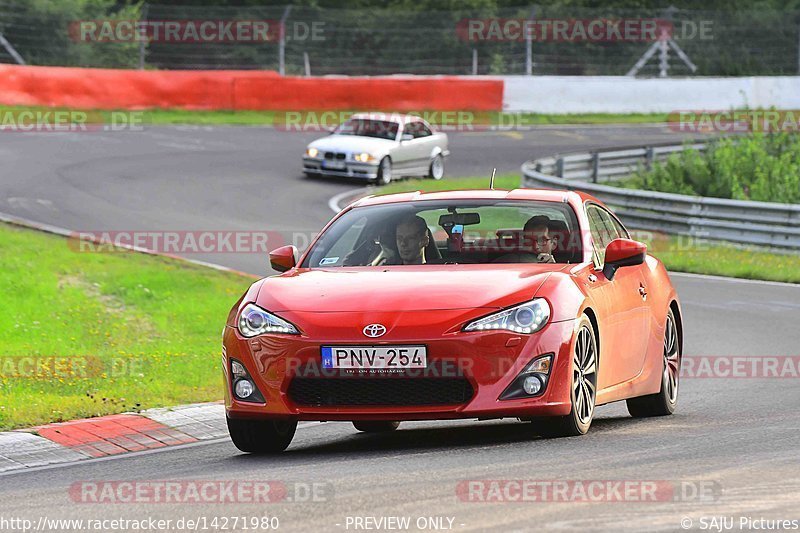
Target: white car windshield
[(380, 129), (463, 231)]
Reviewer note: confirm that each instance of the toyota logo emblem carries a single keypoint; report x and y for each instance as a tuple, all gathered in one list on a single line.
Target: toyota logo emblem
[(374, 330)]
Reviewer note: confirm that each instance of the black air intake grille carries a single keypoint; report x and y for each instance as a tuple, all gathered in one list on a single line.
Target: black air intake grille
[(379, 391)]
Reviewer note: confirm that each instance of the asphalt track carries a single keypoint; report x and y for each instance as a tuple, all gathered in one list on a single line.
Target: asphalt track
[(739, 435)]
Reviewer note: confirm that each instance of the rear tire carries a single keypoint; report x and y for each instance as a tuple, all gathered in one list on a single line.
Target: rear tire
[(380, 426), (662, 403), (261, 436), (583, 388)]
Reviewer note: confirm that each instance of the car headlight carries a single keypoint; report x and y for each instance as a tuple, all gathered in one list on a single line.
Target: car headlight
[(312, 152), (255, 321), (363, 157), (529, 317)]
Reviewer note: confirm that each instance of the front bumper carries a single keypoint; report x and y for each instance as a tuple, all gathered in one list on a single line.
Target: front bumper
[(490, 361), (368, 171)]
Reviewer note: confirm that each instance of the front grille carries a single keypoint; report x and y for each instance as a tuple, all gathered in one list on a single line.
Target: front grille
[(379, 391), (335, 155)]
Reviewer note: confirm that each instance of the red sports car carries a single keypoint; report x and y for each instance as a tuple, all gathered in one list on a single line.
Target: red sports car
[(470, 304)]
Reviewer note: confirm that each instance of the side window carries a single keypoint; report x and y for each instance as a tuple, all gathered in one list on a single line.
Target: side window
[(415, 129), (424, 131), (622, 233), (602, 229)]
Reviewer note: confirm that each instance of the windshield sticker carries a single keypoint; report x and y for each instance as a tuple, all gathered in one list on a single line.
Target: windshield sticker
[(328, 261)]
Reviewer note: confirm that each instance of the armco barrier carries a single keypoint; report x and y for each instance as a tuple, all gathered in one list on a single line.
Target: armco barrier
[(762, 223), (253, 90)]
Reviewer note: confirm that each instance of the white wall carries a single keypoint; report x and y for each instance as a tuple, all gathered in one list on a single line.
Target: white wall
[(621, 94)]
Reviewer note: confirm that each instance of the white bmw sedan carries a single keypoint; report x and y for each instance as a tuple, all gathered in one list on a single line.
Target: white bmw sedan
[(378, 147)]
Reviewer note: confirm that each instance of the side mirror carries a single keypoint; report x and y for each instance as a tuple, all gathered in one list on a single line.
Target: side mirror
[(622, 253), (283, 258), (406, 137)]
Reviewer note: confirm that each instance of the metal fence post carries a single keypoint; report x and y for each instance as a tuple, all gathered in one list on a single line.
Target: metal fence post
[(595, 166), (529, 44), (560, 167), (142, 41), (474, 61), (306, 64), (649, 157), (282, 44)]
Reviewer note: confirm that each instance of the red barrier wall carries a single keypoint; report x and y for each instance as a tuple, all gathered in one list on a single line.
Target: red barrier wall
[(233, 89)]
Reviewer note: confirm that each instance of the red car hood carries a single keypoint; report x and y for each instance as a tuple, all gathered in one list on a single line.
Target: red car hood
[(403, 288)]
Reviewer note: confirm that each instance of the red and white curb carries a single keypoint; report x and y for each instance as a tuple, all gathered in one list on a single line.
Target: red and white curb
[(76, 440), (90, 438)]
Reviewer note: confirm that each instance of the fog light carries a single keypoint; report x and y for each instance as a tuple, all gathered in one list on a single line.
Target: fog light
[(532, 385), (238, 369), (243, 389)]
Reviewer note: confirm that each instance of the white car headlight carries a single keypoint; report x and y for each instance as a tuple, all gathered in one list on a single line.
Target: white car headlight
[(529, 317), (312, 152), (363, 157), (255, 321)]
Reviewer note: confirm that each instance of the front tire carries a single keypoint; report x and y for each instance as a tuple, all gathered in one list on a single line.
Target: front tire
[(436, 169), (261, 436), (379, 426), (583, 388), (662, 403), (384, 172)]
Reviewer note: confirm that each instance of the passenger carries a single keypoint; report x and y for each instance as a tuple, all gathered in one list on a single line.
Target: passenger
[(536, 244), (563, 247)]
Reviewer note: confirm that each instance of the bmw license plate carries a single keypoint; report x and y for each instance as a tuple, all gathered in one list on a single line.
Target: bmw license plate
[(333, 165), (370, 357)]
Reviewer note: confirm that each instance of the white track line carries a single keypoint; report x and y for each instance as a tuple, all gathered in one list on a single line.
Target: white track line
[(56, 230), (334, 202), (54, 466), (735, 280)]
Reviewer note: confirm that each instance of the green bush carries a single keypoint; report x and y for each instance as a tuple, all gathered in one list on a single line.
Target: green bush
[(759, 167)]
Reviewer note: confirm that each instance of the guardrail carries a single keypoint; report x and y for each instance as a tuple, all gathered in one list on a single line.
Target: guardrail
[(744, 222)]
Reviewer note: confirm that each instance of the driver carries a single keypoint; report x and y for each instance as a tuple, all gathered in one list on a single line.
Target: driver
[(411, 237)]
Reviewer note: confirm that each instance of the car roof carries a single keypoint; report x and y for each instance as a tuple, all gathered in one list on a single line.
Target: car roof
[(546, 195), (402, 118)]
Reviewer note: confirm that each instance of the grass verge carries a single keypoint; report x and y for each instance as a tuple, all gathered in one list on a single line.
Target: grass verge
[(679, 254), (89, 334), (318, 119)]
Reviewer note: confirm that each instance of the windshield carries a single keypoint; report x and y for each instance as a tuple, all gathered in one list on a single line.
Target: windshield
[(428, 232), (380, 129)]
